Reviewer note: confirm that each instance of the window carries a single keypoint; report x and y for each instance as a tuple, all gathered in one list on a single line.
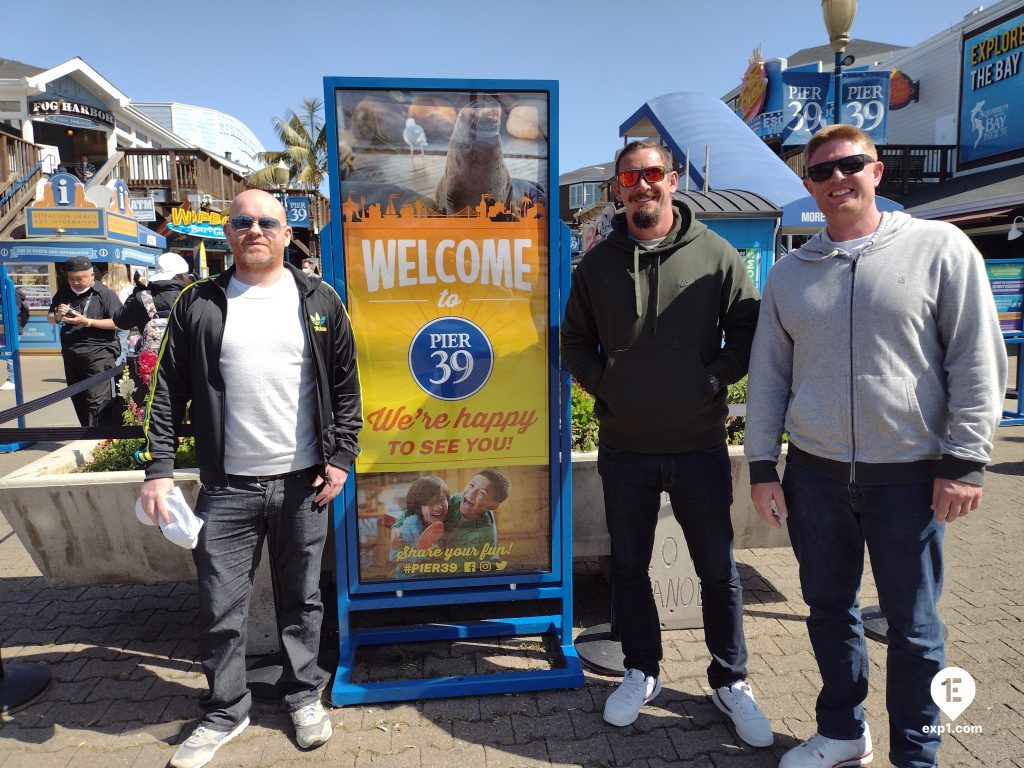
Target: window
[(584, 194)]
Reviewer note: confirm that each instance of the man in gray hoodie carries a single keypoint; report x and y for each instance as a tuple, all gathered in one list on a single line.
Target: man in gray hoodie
[(644, 326), (878, 352)]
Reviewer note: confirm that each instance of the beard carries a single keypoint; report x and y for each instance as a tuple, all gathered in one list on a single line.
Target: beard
[(646, 219)]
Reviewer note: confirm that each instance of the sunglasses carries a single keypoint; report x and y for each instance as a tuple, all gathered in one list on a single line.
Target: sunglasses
[(268, 226), (652, 175), (846, 165)]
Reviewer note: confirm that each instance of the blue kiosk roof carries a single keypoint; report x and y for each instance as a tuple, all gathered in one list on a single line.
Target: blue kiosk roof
[(688, 122)]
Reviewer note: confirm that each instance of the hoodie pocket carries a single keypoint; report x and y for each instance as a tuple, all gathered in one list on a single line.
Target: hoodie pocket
[(658, 389), (888, 414)]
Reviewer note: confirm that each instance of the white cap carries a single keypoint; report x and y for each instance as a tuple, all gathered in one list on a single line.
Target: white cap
[(168, 266), (184, 527)]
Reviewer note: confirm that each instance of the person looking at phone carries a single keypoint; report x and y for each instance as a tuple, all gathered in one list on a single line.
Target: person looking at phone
[(83, 308)]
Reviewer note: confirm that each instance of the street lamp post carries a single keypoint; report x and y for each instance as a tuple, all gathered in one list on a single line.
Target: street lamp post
[(838, 20), (281, 175)]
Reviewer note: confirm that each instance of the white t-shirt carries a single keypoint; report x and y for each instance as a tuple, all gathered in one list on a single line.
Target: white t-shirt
[(270, 404)]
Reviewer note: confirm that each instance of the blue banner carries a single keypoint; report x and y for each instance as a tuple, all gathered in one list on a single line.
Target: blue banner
[(803, 105), (992, 93), (865, 103), (298, 212)]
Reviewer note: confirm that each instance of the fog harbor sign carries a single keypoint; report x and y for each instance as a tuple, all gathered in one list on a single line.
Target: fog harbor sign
[(71, 113)]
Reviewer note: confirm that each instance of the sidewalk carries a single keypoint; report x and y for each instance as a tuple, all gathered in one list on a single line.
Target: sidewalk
[(126, 683)]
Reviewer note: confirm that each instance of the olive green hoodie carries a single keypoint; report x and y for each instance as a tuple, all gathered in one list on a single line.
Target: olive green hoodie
[(644, 328)]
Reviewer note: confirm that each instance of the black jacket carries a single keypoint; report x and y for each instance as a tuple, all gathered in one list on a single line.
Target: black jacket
[(188, 370), (134, 315), (644, 328)]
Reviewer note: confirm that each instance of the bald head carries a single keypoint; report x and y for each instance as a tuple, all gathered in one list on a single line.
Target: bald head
[(264, 199), (258, 233)]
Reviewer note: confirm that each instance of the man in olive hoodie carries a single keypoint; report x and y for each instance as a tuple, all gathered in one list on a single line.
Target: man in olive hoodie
[(879, 353), (643, 333)]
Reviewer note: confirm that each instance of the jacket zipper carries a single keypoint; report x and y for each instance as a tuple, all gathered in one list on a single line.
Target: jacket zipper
[(853, 423), (321, 424)]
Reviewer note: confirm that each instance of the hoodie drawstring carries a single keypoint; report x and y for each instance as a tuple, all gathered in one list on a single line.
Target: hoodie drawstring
[(655, 287), (636, 278)]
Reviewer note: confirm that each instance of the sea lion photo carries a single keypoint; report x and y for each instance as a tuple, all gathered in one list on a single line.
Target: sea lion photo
[(475, 166)]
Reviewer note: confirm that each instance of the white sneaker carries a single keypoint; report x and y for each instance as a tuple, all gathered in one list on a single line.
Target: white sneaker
[(7, 385), (623, 706), (737, 701), (312, 725), (821, 752), (198, 749)]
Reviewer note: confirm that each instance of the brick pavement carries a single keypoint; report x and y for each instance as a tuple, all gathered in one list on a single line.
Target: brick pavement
[(125, 680)]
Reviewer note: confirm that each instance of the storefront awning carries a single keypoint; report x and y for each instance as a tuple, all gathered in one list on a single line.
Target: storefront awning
[(12, 251), (803, 214)]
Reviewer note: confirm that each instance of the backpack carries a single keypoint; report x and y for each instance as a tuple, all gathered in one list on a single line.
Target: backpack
[(153, 333)]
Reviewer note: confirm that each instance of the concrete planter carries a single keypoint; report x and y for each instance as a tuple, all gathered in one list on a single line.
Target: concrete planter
[(80, 528), (590, 536)]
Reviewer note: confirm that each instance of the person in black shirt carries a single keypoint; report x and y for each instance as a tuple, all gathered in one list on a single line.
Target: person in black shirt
[(88, 341)]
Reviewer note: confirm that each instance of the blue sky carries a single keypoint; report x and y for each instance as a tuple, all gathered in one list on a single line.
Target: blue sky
[(257, 59)]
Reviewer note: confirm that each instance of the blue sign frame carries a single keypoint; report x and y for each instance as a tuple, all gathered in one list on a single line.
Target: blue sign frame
[(355, 595)]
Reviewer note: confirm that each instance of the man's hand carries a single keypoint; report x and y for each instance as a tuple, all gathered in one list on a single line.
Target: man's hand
[(329, 486), (952, 499), (769, 502), (153, 494)]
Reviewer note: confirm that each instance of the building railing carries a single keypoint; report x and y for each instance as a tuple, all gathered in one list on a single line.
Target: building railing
[(17, 158), (905, 165), (180, 171)]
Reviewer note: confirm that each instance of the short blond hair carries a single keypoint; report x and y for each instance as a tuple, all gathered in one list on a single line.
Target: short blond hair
[(839, 132)]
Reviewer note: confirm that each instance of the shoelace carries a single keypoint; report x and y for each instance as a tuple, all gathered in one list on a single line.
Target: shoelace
[(197, 735), (309, 715), (636, 686), (745, 699)]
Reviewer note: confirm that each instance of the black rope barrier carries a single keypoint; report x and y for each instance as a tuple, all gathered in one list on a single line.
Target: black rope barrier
[(61, 434)]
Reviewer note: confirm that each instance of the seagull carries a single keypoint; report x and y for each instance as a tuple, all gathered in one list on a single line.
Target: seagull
[(414, 136)]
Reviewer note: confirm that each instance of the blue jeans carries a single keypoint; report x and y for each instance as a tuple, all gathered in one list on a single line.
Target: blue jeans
[(830, 521), (699, 485), (238, 517)]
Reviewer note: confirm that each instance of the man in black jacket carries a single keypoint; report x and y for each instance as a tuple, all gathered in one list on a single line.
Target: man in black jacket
[(643, 333), (83, 309), (264, 359)]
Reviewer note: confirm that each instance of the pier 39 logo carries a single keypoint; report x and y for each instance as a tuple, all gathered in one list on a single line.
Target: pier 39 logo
[(451, 358)]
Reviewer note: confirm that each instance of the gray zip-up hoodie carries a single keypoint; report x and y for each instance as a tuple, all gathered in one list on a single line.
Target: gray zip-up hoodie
[(886, 366)]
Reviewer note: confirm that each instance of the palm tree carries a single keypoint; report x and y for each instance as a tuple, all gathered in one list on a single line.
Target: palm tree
[(304, 137)]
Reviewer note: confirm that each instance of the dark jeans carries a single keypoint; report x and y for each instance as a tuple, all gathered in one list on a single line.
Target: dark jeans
[(238, 517), (80, 365), (699, 485), (830, 522)]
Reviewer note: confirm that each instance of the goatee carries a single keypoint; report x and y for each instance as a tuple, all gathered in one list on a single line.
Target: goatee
[(646, 219)]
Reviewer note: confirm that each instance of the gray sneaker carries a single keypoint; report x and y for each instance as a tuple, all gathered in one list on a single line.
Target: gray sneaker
[(198, 749), (312, 725)]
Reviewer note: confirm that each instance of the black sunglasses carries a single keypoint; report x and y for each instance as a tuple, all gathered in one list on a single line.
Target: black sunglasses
[(652, 175), (846, 165), (268, 225)]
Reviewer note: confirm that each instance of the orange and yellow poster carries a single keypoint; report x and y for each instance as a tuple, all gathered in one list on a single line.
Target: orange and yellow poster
[(445, 229)]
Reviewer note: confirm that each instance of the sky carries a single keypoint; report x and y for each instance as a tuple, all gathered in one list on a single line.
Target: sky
[(257, 59)]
